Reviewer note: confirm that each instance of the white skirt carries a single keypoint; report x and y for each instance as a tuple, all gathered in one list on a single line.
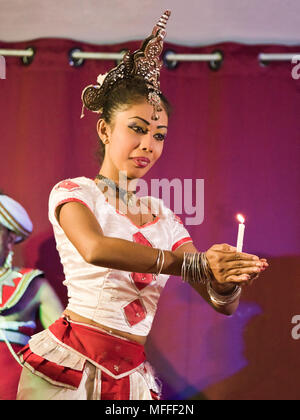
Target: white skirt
[(96, 383), (35, 387)]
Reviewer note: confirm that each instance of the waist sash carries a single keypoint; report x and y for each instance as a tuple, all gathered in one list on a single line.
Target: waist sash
[(59, 353)]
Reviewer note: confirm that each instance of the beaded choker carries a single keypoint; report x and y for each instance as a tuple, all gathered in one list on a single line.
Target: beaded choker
[(128, 197)]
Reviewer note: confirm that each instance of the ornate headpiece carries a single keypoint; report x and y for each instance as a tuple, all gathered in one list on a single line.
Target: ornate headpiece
[(144, 63)]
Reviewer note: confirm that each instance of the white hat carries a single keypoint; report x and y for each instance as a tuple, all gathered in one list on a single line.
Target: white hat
[(14, 217)]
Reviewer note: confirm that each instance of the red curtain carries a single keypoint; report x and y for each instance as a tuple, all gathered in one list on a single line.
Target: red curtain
[(238, 129)]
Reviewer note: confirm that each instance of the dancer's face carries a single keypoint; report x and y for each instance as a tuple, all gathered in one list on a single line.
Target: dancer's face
[(132, 133)]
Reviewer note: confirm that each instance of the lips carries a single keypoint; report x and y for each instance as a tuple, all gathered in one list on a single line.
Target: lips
[(142, 162)]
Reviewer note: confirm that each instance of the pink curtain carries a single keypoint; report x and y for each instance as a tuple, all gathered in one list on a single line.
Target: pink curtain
[(238, 129)]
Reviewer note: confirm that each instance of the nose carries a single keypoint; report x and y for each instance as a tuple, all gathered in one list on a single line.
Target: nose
[(147, 142)]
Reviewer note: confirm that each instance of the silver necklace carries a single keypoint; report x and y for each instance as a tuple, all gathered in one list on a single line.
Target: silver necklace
[(128, 197)]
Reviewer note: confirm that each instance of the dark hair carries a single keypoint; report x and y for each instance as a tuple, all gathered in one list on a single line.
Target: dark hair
[(123, 94)]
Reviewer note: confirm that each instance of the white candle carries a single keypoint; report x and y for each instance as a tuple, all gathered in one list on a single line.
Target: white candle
[(240, 237)]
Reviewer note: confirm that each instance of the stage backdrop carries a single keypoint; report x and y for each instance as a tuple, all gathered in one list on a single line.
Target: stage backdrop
[(238, 129)]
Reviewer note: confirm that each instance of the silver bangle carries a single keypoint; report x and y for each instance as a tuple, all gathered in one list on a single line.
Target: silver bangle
[(223, 300), (195, 268), (160, 260)]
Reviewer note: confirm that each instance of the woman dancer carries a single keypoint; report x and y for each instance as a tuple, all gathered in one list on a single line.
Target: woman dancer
[(118, 250)]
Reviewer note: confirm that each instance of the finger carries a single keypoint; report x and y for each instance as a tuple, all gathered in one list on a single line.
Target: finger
[(246, 283), (238, 271), (236, 256), (244, 264), (243, 280), (251, 271), (264, 261), (237, 279)]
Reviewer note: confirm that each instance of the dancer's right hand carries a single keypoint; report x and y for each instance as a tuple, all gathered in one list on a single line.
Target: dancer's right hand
[(231, 267)]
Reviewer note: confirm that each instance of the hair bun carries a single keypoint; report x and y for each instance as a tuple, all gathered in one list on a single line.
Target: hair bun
[(92, 98)]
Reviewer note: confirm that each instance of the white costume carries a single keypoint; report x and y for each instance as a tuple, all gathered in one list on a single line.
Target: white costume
[(111, 297), (118, 299), (84, 361)]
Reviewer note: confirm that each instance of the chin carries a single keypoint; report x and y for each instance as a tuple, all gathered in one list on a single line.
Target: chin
[(134, 176), (137, 173)]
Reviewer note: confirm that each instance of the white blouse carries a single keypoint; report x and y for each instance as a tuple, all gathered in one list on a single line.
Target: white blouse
[(118, 299)]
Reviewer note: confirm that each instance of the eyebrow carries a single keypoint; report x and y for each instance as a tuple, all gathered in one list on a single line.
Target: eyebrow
[(147, 122)]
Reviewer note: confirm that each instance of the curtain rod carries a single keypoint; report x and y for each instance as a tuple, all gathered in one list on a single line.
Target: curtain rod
[(278, 57), (17, 53), (26, 55), (169, 56)]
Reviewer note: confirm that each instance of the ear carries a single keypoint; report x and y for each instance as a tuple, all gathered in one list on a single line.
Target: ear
[(103, 130), (11, 240)]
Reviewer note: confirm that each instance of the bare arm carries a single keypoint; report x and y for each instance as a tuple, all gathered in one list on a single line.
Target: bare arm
[(83, 230)]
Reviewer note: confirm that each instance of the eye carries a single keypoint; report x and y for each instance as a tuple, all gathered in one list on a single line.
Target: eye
[(138, 129), (160, 137)]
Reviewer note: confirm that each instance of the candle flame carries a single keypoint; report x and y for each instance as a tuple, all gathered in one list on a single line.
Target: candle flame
[(240, 218)]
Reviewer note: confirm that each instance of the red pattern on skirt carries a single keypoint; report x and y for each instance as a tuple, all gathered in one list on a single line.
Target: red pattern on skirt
[(116, 355)]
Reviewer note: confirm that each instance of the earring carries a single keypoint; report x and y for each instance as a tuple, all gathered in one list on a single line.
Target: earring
[(8, 261), (104, 141)]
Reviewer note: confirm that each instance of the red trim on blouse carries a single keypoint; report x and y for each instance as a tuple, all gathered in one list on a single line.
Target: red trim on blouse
[(181, 242), (67, 185)]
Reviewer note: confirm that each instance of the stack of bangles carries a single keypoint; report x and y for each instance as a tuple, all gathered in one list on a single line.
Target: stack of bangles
[(195, 269)]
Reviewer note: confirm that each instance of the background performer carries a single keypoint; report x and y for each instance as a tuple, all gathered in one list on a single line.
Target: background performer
[(25, 296)]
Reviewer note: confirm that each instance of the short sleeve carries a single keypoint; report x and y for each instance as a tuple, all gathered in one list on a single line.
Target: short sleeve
[(76, 189), (180, 235)]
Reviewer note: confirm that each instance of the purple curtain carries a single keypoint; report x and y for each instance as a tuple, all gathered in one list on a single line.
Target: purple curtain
[(236, 128)]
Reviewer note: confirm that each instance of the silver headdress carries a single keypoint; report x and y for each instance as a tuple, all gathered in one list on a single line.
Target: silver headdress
[(144, 63)]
